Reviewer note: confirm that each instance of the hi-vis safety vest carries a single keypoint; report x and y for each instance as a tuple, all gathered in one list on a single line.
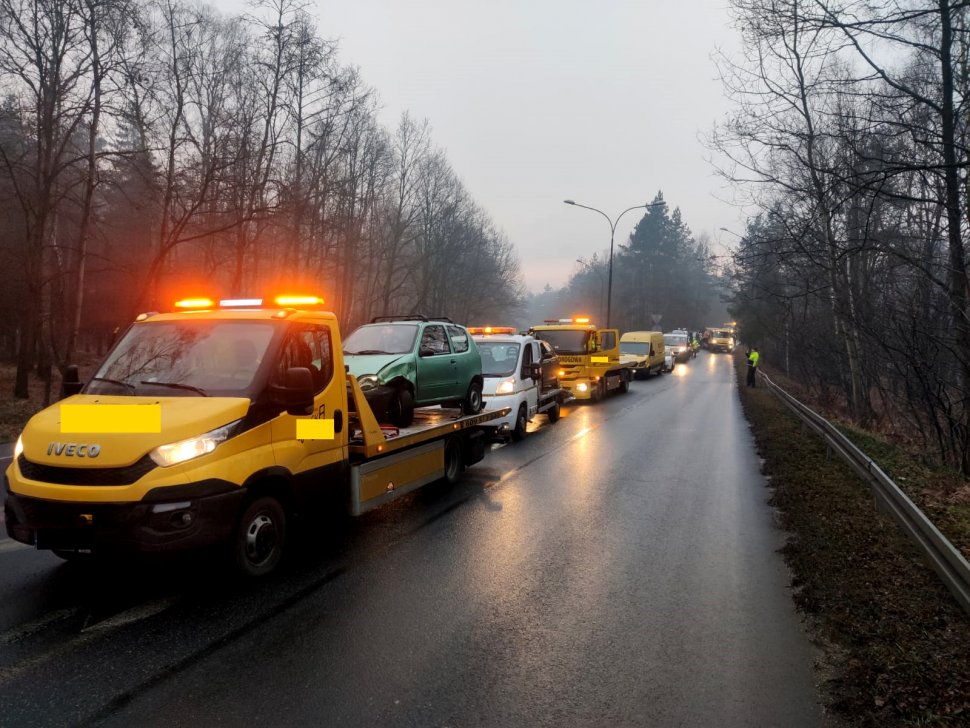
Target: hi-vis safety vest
[(753, 358)]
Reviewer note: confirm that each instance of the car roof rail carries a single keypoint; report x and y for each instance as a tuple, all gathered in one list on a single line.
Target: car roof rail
[(411, 317), (441, 318)]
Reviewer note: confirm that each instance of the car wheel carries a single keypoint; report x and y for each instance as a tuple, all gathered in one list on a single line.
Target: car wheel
[(473, 399), (521, 421), (452, 460), (553, 413), (400, 410), (260, 535)]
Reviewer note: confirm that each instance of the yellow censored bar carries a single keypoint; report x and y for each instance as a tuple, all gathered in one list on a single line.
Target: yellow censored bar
[(115, 418), (600, 359), (314, 429)]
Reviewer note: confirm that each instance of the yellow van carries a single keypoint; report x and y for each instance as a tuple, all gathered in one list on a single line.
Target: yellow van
[(644, 351)]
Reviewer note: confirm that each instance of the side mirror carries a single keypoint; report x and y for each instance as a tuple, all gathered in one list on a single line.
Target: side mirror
[(296, 394), (71, 383), (532, 371), (426, 351)]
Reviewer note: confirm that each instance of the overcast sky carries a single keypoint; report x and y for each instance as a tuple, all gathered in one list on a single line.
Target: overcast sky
[(537, 101)]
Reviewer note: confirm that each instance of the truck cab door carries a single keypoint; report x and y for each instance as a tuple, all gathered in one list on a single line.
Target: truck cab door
[(315, 458), (608, 345), (530, 357)]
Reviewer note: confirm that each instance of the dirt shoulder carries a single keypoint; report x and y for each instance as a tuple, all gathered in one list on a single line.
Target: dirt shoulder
[(897, 643)]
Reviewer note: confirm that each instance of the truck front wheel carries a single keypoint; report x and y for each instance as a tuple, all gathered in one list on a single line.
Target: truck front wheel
[(521, 420), (624, 383), (260, 536)]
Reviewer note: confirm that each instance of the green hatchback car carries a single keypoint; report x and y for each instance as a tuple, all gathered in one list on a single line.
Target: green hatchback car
[(403, 362)]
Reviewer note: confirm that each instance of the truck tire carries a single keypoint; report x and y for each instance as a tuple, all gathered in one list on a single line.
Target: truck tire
[(473, 399), (453, 460), (521, 421), (624, 383), (400, 410), (260, 537), (553, 413)]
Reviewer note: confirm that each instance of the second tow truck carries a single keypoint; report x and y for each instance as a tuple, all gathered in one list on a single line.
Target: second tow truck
[(521, 375), (589, 357)]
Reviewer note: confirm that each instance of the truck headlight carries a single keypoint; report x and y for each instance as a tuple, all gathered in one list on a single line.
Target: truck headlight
[(368, 381), (506, 386), (18, 449), (178, 452), (582, 387)]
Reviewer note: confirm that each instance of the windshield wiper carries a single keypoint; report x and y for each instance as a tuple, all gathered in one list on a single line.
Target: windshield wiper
[(114, 381), (368, 351), (176, 385)]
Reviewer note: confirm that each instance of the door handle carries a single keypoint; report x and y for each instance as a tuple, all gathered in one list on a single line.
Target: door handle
[(453, 361), (338, 421)]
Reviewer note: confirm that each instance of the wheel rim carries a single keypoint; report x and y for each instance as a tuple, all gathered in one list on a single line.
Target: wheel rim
[(451, 464), (261, 539), (476, 398)]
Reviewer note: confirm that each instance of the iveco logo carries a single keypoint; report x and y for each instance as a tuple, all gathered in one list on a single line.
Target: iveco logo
[(74, 450)]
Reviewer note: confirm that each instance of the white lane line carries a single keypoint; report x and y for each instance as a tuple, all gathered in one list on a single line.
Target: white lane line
[(25, 630), (135, 614), (7, 545), (89, 633)]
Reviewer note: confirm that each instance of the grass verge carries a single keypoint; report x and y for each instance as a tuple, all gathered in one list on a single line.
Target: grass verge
[(898, 643)]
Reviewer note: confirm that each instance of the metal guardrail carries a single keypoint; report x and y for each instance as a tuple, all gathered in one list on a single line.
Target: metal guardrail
[(942, 556)]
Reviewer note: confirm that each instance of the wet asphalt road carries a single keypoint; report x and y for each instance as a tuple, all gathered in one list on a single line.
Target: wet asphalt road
[(618, 568)]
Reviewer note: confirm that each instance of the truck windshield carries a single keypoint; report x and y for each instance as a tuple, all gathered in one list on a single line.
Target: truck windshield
[(185, 359), (565, 342), (675, 340), (498, 359), (382, 339), (634, 347)]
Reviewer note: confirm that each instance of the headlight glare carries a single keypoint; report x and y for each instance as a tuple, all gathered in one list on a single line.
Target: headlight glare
[(193, 447), (18, 449), (506, 386)]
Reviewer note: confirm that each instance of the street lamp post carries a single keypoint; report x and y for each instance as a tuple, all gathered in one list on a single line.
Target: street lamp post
[(613, 223)]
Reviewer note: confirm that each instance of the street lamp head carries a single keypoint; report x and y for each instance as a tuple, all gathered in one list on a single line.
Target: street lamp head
[(570, 202)]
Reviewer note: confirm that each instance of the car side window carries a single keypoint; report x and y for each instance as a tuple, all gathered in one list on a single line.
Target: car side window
[(547, 350), (527, 360), (459, 339), (434, 338), (308, 347)]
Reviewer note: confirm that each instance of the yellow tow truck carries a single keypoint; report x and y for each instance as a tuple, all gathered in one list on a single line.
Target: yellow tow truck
[(589, 357), (216, 423)]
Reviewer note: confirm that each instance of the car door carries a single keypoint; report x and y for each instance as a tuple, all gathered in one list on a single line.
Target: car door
[(467, 356), (312, 459), (437, 376), (530, 356)]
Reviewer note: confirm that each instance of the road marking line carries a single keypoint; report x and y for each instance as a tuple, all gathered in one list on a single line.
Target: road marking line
[(25, 630), (135, 614), (11, 545)]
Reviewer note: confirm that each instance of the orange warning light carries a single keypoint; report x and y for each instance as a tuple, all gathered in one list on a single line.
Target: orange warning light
[(195, 303), (299, 301)]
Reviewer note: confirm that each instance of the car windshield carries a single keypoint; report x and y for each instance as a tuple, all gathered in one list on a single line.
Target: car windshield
[(675, 340), (499, 358), (565, 342), (382, 339), (634, 347), (189, 358)]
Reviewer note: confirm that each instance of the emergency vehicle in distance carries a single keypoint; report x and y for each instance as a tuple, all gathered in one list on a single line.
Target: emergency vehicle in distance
[(589, 357), (521, 374), (215, 424)]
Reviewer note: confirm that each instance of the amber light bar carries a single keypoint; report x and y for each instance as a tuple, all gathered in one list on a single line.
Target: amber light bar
[(195, 303), (298, 301), (240, 302)]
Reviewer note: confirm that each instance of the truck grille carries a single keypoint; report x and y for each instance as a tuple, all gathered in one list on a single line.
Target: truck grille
[(85, 476)]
